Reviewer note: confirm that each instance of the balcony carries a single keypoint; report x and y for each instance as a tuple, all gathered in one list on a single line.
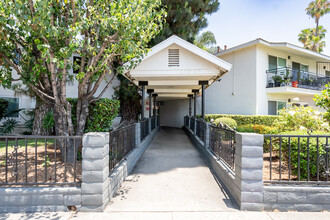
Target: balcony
[(288, 77)]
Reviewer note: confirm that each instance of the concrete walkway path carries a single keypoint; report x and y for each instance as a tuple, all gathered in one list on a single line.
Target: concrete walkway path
[(171, 176)]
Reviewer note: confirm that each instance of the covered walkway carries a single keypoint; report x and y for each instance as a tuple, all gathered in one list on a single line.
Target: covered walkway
[(171, 176)]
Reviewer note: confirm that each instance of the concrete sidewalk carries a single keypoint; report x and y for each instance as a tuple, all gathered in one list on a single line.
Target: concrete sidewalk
[(171, 176)]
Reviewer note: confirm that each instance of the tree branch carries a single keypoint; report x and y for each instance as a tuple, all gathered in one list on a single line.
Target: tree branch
[(106, 87)]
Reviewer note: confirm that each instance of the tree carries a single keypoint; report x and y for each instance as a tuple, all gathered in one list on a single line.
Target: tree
[(316, 9), (185, 18), (323, 101), (312, 42), (39, 37), (129, 97), (206, 41)]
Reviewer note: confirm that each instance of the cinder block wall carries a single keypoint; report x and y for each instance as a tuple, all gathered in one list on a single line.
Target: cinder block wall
[(39, 199)]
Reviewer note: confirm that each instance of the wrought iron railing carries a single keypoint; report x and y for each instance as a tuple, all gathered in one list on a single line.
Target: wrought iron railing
[(296, 159), (40, 160), (200, 129), (144, 128), (158, 121), (186, 121), (192, 124), (121, 143), (296, 78), (153, 123), (223, 144)]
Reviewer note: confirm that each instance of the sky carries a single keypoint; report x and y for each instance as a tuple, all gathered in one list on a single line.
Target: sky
[(240, 21)]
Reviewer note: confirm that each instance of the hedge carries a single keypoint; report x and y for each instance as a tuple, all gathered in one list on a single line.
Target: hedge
[(226, 121), (101, 114), (246, 119)]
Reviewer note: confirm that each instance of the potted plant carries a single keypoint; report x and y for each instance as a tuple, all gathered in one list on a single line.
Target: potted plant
[(277, 79)]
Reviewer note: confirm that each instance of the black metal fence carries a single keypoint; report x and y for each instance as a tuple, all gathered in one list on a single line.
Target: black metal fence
[(200, 129), (40, 160), (186, 121), (121, 143), (223, 144), (192, 124), (158, 121), (296, 159), (144, 128), (153, 123), (297, 78)]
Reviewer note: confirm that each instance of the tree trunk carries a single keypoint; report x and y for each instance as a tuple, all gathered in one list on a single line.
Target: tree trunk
[(130, 110), (62, 128), (82, 116), (39, 113)]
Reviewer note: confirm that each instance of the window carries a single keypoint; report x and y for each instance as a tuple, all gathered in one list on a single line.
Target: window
[(275, 63), (275, 106), (327, 73), (173, 57), (12, 106)]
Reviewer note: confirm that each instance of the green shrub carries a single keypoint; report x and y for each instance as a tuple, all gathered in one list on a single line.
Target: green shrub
[(259, 129), (226, 121), (101, 114), (301, 118), (246, 119), (303, 153), (3, 107)]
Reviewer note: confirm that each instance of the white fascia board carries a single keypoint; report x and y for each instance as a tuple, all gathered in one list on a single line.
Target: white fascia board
[(172, 82), (184, 91), (274, 44)]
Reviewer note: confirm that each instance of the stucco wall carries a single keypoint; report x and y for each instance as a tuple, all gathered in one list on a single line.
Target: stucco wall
[(236, 92), (173, 112)]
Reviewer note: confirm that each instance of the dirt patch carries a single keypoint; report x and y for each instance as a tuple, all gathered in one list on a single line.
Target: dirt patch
[(38, 167), (275, 168)]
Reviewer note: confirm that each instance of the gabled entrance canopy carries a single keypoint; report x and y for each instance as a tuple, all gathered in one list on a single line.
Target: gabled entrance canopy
[(174, 68)]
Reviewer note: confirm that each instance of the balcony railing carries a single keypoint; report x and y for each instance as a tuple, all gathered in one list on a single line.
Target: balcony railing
[(295, 78)]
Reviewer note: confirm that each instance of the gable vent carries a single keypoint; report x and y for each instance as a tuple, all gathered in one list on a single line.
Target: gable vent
[(173, 57)]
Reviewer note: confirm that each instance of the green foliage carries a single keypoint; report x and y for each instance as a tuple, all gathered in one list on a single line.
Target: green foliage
[(101, 114), (46, 161), (303, 152), (3, 108), (300, 118), (186, 18), (206, 41), (259, 129), (39, 37), (323, 101), (245, 119), (226, 121), (8, 126), (48, 121), (311, 41)]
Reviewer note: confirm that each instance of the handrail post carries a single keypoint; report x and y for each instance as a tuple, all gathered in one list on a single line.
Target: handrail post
[(207, 135)]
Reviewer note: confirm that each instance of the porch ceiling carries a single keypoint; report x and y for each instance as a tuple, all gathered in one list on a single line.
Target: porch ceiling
[(178, 81)]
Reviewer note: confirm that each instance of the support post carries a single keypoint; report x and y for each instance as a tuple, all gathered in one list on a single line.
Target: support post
[(150, 91), (203, 84), (143, 84), (190, 97), (195, 91), (155, 97), (203, 102)]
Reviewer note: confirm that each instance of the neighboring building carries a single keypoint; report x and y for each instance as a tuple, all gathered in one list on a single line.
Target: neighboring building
[(249, 88)]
